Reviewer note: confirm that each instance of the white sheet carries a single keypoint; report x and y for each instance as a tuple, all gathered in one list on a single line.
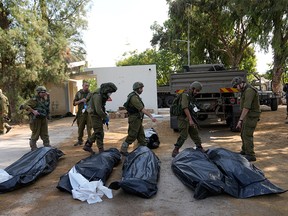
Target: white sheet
[(83, 190), (4, 176)]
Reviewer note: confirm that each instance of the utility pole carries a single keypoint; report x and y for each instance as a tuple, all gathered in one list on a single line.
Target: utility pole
[(187, 41)]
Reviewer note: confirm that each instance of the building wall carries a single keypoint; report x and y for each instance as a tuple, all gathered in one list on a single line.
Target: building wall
[(62, 96), (73, 87), (57, 99), (124, 78)]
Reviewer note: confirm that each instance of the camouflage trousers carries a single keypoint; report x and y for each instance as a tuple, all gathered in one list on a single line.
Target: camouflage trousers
[(1, 125), (39, 128), (248, 128), (98, 131), (84, 120), (185, 130), (135, 130)]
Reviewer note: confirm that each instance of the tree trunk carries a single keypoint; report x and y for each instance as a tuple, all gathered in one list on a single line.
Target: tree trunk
[(277, 74)]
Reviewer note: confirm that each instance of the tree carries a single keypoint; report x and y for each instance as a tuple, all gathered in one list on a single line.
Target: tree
[(271, 19), (218, 31), (165, 61), (34, 39)]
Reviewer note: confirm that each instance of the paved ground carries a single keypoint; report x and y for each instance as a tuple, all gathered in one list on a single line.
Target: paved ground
[(16, 143), (173, 198)]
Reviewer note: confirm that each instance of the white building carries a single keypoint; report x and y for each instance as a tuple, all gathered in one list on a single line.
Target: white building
[(123, 77)]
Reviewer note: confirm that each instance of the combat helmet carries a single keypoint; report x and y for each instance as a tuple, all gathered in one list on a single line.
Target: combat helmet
[(40, 89), (109, 87), (137, 85), (236, 81), (196, 85)]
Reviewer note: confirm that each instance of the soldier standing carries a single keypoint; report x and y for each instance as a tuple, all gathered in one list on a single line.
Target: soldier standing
[(249, 117), (39, 110), (99, 116), (186, 124), (285, 89), (136, 111), (4, 113), (83, 118)]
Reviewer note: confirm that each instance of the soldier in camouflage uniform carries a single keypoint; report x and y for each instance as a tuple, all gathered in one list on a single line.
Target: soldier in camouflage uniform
[(285, 89), (136, 111), (186, 124), (83, 118), (39, 110), (99, 116), (4, 113), (249, 117)]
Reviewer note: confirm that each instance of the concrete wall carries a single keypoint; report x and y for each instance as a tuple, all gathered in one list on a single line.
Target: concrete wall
[(73, 87), (123, 78), (57, 99), (62, 96)]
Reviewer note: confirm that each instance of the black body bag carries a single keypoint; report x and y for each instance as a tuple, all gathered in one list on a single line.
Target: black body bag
[(220, 171), (152, 138), (140, 173), (94, 168), (30, 167)]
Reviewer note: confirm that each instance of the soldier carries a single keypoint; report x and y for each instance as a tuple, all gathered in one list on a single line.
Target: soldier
[(39, 110), (249, 117), (186, 123), (136, 111), (82, 116), (99, 116), (285, 89), (4, 113)]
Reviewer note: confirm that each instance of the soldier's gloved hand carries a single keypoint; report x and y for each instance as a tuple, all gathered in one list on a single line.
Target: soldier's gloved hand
[(106, 120)]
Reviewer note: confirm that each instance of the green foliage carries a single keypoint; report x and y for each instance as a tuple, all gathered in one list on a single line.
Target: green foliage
[(165, 61), (37, 40), (225, 31), (92, 84), (271, 18), (219, 32)]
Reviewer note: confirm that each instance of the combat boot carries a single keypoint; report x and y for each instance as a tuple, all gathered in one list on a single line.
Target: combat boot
[(46, 144), (242, 152), (87, 147), (79, 142), (33, 145), (200, 148), (175, 151), (124, 148), (101, 149), (250, 157)]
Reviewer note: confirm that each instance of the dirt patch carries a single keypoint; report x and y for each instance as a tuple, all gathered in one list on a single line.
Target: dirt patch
[(173, 198)]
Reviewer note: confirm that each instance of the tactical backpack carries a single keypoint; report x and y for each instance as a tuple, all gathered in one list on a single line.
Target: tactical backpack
[(176, 108), (90, 105), (131, 110)]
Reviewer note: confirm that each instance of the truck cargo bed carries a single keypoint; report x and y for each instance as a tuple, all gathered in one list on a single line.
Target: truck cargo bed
[(212, 81)]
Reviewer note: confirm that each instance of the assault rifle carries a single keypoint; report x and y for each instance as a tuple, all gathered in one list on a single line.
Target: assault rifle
[(74, 120)]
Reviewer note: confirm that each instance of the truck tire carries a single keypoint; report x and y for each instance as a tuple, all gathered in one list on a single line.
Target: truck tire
[(159, 101), (274, 104), (202, 117), (169, 100)]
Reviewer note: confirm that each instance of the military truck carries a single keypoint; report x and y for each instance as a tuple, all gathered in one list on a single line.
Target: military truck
[(266, 95), (217, 97)]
